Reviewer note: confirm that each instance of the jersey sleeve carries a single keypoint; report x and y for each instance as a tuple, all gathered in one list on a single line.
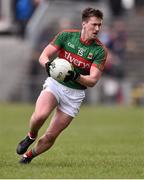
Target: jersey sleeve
[(100, 59), (59, 40)]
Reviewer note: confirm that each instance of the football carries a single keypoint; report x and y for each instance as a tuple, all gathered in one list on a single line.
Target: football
[(59, 69)]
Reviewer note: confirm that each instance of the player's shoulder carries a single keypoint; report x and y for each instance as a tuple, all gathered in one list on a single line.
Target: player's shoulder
[(102, 46), (70, 31)]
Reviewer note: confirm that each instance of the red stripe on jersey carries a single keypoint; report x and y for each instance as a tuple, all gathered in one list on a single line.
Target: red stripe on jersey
[(56, 46), (76, 60), (99, 66), (102, 65)]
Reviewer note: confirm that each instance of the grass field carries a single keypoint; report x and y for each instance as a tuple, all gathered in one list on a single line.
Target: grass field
[(102, 142)]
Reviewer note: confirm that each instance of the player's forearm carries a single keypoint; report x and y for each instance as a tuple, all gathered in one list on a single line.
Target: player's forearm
[(47, 53), (91, 79), (87, 81)]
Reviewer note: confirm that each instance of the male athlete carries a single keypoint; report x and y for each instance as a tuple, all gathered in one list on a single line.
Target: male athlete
[(88, 56)]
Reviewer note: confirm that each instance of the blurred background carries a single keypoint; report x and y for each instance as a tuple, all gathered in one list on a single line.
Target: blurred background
[(27, 26)]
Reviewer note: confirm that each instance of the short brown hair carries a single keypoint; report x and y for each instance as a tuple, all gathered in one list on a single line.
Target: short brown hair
[(90, 12)]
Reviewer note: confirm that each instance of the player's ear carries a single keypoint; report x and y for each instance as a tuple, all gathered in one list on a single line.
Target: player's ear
[(83, 23)]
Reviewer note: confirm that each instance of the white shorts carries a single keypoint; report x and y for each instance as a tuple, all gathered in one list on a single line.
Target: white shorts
[(69, 100)]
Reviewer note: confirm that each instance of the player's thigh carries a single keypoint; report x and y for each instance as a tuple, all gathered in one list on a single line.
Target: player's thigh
[(45, 104), (59, 122)]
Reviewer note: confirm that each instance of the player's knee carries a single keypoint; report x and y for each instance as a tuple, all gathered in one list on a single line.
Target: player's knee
[(40, 116)]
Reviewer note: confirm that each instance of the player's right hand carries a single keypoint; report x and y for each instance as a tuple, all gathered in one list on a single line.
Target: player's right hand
[(47, 66), (72, 75)]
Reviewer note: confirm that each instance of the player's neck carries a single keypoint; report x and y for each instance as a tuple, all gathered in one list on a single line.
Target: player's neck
[(84, 38)]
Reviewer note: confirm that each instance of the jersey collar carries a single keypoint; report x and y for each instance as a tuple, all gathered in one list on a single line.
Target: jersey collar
[(88, 42)]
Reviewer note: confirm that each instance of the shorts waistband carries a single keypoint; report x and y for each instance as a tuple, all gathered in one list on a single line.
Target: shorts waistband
[(59, 84)]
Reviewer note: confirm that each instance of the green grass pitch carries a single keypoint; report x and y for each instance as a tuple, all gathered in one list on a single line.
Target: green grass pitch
[(101, 142)]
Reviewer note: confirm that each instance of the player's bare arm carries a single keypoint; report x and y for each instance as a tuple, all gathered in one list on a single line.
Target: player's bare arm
[(92, 79), (47, 53)]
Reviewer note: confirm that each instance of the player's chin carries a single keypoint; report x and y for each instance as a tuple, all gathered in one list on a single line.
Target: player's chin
[(94, 35)]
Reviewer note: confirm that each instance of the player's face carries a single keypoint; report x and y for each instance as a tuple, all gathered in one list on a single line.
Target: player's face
[(92, 27)]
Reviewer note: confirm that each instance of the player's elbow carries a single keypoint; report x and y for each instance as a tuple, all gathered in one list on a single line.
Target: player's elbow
[(43, 59), (40, 58), (92, 83)]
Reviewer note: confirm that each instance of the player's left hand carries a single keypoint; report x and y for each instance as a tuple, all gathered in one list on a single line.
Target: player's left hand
[(47, 66), (72, 75)]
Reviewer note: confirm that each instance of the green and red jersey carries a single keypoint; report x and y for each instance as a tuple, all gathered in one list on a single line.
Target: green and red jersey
[(82, 55)]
